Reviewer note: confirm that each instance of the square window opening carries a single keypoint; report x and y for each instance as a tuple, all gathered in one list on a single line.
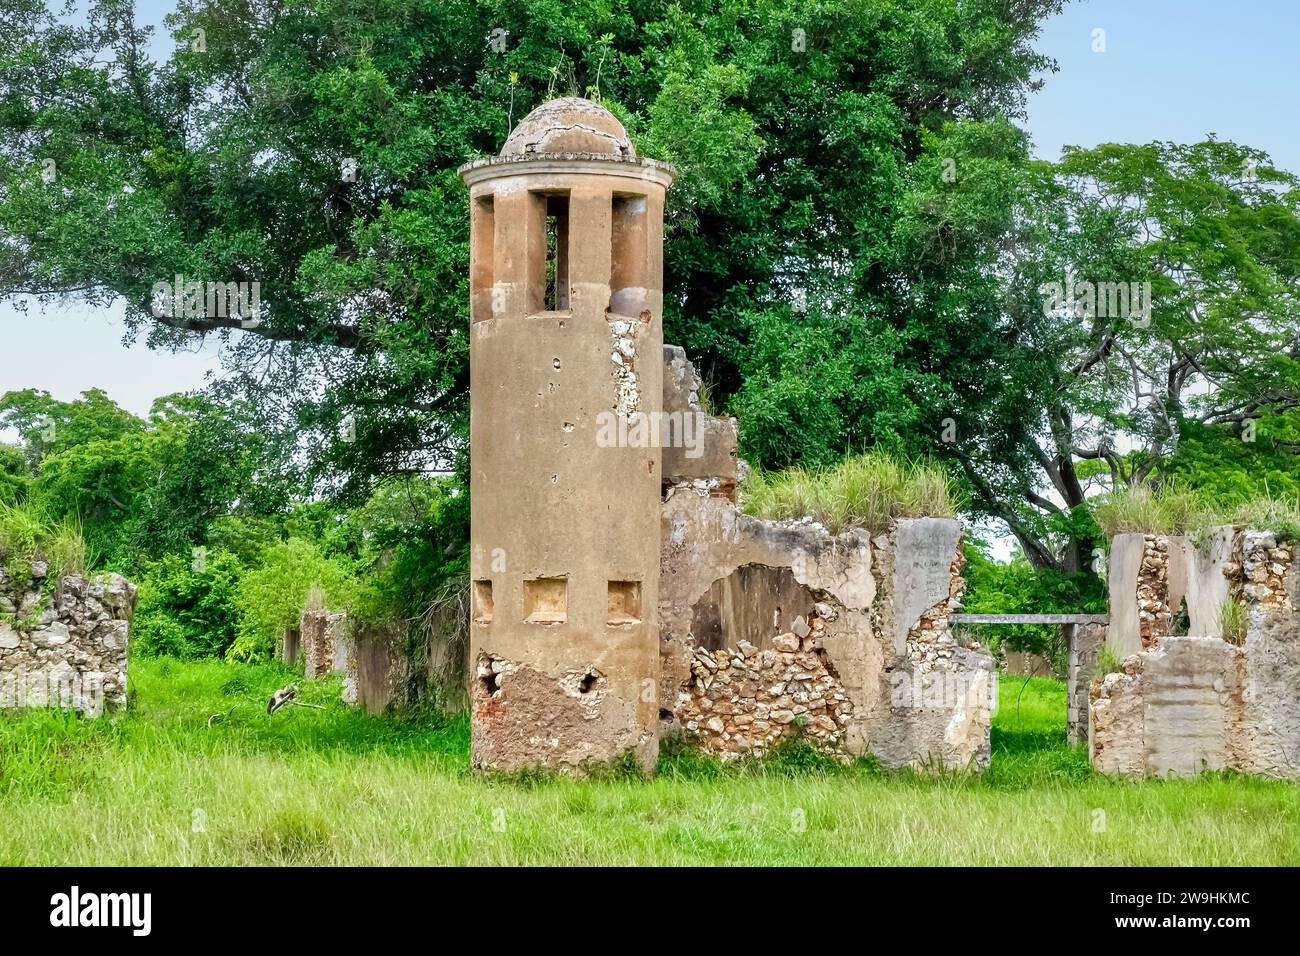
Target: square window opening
[(624, 602), (546, 600)]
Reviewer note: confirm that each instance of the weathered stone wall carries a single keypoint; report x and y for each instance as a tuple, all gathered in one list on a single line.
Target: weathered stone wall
[(377, 676), (323, 636), (771, 630), (64, 644), (1026, 664), (1085, 641), (1194, 703)]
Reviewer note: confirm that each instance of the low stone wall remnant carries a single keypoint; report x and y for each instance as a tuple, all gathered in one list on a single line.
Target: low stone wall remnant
[(1190, 703), (64, 644)]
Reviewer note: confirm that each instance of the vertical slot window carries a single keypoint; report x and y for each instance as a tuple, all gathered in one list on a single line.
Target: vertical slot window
[(549, 255), (628, 254), (482, 257)]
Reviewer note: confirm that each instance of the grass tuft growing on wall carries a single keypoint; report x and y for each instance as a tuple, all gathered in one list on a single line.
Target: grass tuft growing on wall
[(1174, 508), (28, 534), (1109, 661), (1279, 515), (1233, 621), (864, 491)]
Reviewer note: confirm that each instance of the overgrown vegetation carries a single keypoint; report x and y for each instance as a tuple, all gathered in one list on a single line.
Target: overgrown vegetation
[(1173, 507), (863, 491), (28, 533), (170, 784), (1109, 661)]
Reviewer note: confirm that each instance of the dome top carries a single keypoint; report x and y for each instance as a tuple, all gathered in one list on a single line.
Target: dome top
[(569, 126)]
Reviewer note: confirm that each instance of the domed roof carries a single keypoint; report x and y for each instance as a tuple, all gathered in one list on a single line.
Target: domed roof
[(566, 126)]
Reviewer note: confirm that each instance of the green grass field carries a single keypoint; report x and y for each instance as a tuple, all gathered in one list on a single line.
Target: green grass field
[(303, 786)]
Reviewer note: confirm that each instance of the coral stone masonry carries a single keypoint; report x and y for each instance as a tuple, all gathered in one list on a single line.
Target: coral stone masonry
[(1204, 700), (64, 643)]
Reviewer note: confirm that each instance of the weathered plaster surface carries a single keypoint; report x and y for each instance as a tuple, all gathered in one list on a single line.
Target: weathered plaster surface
[(1195, 703)]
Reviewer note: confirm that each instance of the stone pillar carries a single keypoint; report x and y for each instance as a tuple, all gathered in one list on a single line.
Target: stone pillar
[(1085, 641), (322, 637), (566, 376)]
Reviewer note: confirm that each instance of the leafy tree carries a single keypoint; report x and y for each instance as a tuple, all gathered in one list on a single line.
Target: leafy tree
[(795, 125), (47, 426), (14, 474), (271, 598), (1218, 461), (187, 607), (142, 489), (1212, 228)]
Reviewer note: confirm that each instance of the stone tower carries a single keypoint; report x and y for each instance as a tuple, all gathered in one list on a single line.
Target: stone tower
[(566, 342)]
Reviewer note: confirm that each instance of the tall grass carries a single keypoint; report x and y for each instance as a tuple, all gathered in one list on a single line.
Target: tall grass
[(1109, 661), (864, 491), (1264, 513), (165, 784), (1174, 508), (28, 534), (1233, 621)]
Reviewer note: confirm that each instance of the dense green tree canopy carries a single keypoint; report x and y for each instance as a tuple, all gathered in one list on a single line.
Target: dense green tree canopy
[(796, 127)]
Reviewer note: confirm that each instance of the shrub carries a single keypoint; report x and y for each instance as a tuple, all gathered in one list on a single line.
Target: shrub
[(187, 607), (865, 491), (271, 599)]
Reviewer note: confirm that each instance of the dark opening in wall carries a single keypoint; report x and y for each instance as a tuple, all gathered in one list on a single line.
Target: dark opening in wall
[(556, 295), (482, 602), (629, 268), (754, 603), (1182, 622), (482, 277), (546, 600), (624, 602), (588, 682)]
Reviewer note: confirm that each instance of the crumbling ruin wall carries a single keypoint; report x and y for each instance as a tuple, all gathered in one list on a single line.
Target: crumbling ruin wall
[(323, 637), (64, 644), (378, 669), (1140, 612), (1086, 641), (1194, 703), (772, 630)]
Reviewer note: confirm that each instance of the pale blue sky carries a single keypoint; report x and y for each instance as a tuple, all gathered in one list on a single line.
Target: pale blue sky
[(1173, 69)]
